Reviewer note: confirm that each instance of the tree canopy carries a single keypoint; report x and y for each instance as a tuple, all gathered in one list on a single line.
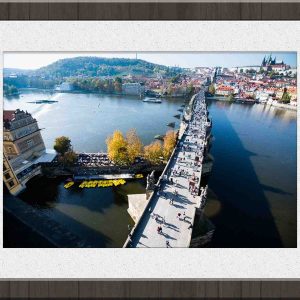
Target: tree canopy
[(286, 97), (62, 145), (211, 89), (153, 152), (169, 143), (134, 145), (117, 148)]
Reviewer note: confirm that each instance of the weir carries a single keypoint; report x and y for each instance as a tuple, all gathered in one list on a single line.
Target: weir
[(177, 196)]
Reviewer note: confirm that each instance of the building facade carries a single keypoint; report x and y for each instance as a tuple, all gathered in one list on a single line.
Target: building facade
[(21, 135), (9, 177), (23, 149), (133, 89)]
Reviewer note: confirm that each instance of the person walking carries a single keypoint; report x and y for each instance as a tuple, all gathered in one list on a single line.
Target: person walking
[(178, 215), (167, 244), (184, 216), (158, 229)]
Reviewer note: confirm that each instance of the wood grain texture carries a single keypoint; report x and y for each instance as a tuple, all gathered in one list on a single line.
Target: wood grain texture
[(64, 289), (251, 11), (38, 289), (19, 11), (280, 11), (175, 289), (212, 289), (4, 289), (251, 289), (4, 11), (289, 289), (150, 11), (63, 11), (230, 289), (270, 289), (19, 289), (39, 11)]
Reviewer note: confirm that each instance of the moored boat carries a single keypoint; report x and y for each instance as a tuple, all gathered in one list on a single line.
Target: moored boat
[(152, 100), (172, 124)]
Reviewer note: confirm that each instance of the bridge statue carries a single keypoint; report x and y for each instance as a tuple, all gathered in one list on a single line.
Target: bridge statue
[(150, 181), (204, 196)]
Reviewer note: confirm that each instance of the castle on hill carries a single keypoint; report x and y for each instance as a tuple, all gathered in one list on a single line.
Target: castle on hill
[(272, 64)]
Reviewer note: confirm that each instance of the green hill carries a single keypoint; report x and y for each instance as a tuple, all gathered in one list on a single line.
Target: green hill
[(100, 66)]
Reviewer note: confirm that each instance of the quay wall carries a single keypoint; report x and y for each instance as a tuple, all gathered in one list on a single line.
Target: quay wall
[(281, 105), (58, 235)]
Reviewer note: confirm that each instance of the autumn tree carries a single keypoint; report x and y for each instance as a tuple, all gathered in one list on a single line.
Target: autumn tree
[(230, 98), (62, 145), (153, 152), (211, 89), (118, 84), (286, 98), (134, 145), (69, 158), (169, 143), (117, 148)]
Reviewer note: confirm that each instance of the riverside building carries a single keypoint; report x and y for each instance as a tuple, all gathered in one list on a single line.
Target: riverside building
[(134, 89), (23, 149)]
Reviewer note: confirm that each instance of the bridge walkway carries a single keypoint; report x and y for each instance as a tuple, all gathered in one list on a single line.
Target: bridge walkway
[(187, 159)]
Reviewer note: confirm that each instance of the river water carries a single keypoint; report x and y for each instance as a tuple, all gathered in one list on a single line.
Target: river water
[(97, 215), (252, 189)]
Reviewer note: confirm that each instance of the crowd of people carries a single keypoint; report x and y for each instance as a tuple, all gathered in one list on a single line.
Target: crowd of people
[(188, 158), (93, 160)]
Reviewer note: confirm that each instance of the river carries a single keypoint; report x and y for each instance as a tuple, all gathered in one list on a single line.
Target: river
[(252, 189), (98, 216)]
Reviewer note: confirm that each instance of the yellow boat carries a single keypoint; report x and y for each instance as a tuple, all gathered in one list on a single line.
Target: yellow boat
[(101, 183), (69, 184), (139, 176)]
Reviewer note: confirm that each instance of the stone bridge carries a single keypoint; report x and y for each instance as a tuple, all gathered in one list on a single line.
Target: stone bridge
[(169, 215)]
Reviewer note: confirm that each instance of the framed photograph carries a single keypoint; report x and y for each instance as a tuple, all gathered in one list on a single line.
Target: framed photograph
[(149, 150)]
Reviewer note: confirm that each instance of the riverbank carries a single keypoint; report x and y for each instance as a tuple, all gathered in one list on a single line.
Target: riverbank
[(281, 105), (275, 104)]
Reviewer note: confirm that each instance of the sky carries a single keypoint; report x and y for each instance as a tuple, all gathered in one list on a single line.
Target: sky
[(23, 60)]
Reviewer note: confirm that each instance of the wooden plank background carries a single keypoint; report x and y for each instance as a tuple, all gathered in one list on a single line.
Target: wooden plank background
[(150, 11), (150, 289)]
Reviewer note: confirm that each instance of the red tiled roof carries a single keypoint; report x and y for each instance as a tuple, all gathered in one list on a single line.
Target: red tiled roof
[(8, 115)]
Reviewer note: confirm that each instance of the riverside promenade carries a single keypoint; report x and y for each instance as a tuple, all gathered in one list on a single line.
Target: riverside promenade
[(172, 206)]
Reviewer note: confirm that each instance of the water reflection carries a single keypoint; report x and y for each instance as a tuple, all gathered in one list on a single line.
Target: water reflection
[(253, 194)]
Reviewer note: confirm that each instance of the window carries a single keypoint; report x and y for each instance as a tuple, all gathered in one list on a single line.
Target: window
[(29, 143), (11, 183), (7, 176)]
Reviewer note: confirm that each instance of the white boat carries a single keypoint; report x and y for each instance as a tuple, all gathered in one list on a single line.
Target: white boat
[(152, 100)]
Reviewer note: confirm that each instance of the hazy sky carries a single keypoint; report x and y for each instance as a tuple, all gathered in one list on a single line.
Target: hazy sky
[(183, 59)]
